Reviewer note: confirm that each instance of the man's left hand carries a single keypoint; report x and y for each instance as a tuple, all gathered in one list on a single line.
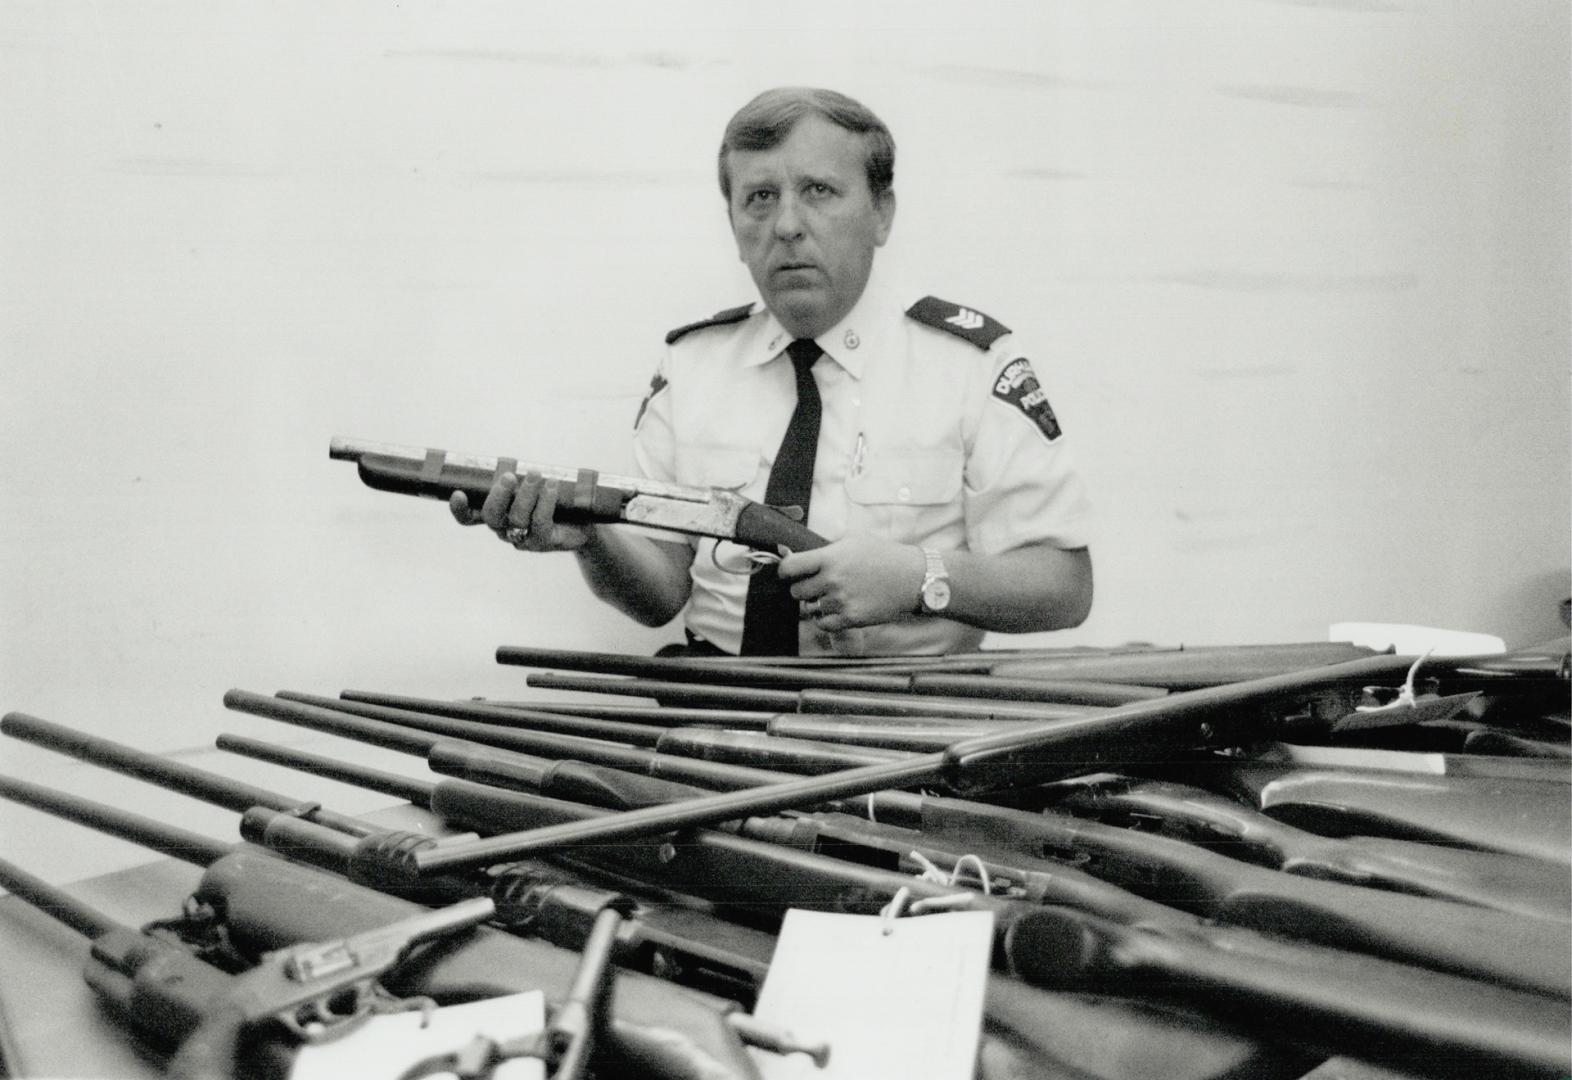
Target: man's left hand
[(856, 581)]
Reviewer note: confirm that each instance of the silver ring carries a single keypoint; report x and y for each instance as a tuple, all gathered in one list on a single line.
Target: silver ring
[(515, 536)]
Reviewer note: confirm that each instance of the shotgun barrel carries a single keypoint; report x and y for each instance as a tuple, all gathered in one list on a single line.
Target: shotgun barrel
[(584, 495)]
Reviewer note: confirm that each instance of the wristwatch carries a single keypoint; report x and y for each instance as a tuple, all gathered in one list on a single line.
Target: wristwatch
[(935, 594)]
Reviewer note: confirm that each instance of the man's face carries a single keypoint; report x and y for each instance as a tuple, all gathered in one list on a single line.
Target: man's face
[(806, 223)]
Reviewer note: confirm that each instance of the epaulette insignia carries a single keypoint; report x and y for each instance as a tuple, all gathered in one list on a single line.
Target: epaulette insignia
[(720, 318), (964, 322)]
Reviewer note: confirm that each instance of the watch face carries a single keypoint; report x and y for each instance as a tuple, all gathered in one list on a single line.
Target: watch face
[(936, 595)]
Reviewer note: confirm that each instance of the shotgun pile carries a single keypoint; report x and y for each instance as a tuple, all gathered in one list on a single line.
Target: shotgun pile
[(1258, 861)]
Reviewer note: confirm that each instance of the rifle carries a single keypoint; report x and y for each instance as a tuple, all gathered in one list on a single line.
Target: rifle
[(1516, 950), (251, 901), (1520, 817), (1320, 994), (583, 495), (796, 677), (688, 946), (1485, 879), (306, 992), (1452, 1026), (246, 885), (506, 713), (1020, 756)]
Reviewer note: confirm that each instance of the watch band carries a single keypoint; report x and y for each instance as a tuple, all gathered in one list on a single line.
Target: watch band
[(934, 596)]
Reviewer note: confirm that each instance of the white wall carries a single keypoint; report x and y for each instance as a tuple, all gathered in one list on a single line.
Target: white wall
[(1298, 272)]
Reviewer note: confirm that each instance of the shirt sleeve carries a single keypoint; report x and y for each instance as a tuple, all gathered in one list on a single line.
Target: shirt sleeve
[(1022, 486)]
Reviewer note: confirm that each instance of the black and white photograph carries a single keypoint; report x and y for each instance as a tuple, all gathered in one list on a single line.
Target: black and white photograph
[(703, 540)]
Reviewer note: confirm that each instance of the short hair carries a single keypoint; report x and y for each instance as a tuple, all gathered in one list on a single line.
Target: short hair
[(766, 121)]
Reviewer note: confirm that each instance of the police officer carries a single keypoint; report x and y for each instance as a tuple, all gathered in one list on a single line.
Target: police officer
[(913, 430)]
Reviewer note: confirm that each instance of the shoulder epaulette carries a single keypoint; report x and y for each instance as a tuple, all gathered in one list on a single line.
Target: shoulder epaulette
[(720, 318), (964, 322)]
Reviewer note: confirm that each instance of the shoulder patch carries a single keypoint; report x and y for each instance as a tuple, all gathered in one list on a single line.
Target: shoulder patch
[(1017, 386), (720, 318), (964, 322)]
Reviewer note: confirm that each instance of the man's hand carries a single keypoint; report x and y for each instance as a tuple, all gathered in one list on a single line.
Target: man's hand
[(520, 512), (856, 581)]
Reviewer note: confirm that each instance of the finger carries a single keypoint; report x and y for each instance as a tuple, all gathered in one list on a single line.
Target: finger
[(521, 513), (459, 504), (494, 511), (800, 564), (542, 521), (808, 589), (833, 623)]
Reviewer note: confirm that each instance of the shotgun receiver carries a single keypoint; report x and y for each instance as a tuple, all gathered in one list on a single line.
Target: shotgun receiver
[(584, 495)]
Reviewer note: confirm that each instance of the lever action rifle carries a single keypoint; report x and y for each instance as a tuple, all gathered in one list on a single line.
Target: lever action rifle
[(583, 495)]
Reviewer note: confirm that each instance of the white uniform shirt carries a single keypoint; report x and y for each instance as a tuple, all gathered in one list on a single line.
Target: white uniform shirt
[(926, 439)]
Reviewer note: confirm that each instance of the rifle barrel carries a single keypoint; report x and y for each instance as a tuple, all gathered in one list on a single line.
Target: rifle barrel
[(988, 761), (633, 714), (171, 840), (54, 901), (222, 791), (531, 719)]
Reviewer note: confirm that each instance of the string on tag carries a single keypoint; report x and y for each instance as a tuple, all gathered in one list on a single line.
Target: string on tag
[(758, 560), (1406, 694), (870, 809), (891, 911), (931, 872), (1407, 697), (898, 904)]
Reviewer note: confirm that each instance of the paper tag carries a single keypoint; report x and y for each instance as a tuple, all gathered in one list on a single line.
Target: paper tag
[(386, 1045), (897, 1005)]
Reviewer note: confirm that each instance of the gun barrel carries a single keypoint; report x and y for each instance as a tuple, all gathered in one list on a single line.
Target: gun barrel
[(56, 902), (988, 761), (144, 831), (533, 719), (505, 712), (734, 673), (210, 787)]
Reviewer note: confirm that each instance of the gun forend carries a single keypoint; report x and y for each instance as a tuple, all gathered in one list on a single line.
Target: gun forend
[(583, 495)]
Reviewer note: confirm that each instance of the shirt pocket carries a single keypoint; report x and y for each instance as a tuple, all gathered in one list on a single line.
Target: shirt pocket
[(907, 495), (715, 466)]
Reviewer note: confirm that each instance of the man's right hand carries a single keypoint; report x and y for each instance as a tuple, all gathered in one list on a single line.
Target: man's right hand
[(520, 511)]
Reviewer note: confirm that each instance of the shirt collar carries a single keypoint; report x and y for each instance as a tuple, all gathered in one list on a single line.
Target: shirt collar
[(848, 342)]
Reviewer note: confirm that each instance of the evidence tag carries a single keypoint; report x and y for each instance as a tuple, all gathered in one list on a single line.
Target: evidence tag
[(387, 1044), (893, 998)]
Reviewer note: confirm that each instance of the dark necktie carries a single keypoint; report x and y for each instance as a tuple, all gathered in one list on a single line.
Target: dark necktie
[(769, 624)]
